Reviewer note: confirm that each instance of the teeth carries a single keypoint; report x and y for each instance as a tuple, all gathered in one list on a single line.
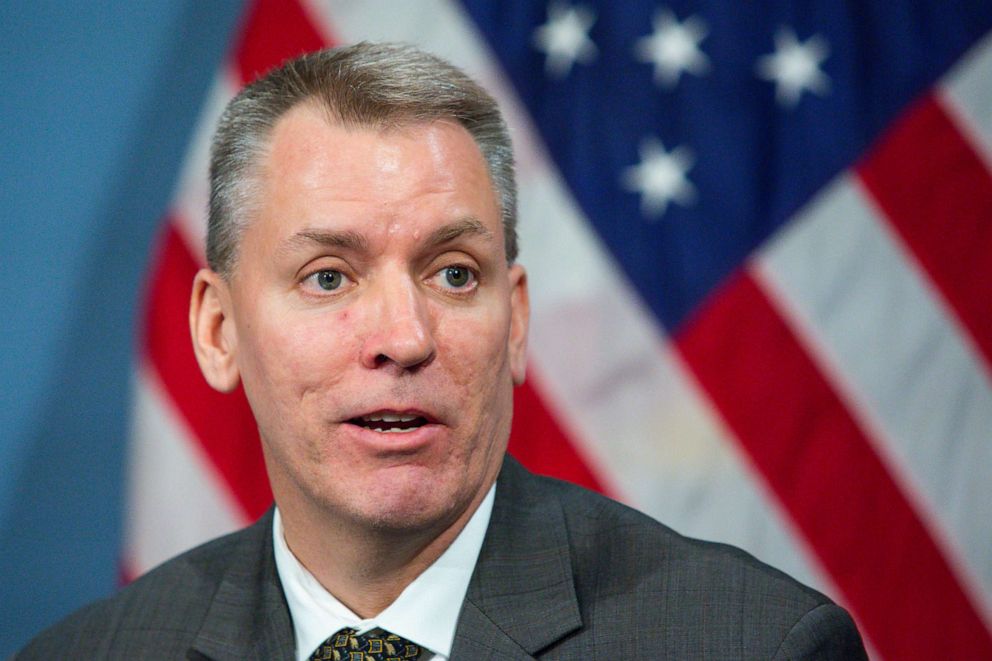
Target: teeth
[(388, 417), (396, 430)]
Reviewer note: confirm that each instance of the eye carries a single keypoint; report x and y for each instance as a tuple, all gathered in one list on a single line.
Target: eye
[(328, 279), (456, 277)]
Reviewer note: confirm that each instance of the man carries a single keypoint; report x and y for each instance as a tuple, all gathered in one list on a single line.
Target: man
[(363, 288)]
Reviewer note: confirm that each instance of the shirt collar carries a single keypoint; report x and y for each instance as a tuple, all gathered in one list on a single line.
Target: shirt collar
[(425, 613)]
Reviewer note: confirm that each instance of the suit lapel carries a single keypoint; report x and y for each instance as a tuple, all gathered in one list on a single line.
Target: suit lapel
[(522, 595), (521, 598), (248, 617)]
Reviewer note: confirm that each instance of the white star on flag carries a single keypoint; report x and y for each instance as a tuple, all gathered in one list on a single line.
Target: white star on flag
[(673, 47), (565, 38), (660, 177), (795, 67)]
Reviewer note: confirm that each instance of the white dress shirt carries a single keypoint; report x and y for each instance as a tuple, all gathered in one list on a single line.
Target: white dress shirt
[(425, 613)]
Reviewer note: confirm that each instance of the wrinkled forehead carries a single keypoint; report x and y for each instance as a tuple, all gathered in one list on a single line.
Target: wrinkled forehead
[(401, 178), (307, 150)]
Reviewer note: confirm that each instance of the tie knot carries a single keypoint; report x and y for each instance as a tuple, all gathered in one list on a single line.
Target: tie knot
[(374, 645)]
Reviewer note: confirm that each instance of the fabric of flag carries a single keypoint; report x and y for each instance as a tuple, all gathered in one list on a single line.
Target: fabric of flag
[(759, 245)]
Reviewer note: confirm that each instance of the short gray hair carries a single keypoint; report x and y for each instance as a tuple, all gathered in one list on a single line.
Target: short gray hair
[(364, 85)]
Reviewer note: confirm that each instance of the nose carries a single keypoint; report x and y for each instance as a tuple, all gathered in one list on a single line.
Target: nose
[(400, 330)]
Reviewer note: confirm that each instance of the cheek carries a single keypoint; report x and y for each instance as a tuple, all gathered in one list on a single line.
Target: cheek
[(478, 370), (295, 354), (473, 350)]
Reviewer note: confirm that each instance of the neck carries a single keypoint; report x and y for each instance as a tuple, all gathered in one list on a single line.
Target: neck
[(369, 572)]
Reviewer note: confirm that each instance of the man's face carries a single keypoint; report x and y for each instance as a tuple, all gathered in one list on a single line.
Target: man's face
[(378, 329)]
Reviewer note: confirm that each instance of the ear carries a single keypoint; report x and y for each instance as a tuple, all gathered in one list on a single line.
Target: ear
[(519, 321), (213, 331)]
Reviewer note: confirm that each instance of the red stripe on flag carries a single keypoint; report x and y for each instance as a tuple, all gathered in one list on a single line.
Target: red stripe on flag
[(538, 441), (824, 470), (274, 31), (223, 424), (935, 191)]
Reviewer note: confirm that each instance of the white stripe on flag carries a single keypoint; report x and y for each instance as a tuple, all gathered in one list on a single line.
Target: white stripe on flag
[(967, 95), (880, 331), (175, 498), (614, 384), (192, 194), (625, 394)]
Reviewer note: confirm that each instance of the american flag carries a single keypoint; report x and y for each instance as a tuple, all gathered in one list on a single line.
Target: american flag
[(759, 239)]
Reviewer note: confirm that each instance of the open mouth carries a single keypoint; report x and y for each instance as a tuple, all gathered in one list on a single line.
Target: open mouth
[(390, 423)]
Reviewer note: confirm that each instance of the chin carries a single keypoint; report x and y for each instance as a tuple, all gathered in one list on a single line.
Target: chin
[(422, 507), (407, 518)]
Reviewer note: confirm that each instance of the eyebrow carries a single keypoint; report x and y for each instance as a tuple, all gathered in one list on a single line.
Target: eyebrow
[(351, 240), (345, 239), (466, 226)]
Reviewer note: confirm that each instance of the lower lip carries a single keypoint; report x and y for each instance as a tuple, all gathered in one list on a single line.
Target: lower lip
[(395, 442)]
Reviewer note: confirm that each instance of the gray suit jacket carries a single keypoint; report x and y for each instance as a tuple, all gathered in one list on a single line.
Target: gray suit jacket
[(563, 574)]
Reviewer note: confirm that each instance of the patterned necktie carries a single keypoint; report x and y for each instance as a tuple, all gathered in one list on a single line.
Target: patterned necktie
[(375, 645)]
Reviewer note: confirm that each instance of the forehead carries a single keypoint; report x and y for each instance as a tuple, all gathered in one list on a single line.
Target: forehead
[(309, 156)]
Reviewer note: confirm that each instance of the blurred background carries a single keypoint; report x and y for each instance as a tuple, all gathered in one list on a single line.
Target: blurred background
[(99, 101), (759, 239)]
